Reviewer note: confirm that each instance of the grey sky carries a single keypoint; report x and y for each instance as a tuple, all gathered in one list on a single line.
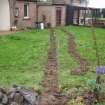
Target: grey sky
[(97, 3)]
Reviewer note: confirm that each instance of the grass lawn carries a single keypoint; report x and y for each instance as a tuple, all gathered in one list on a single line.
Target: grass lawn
[(23, 56), (85, 46)]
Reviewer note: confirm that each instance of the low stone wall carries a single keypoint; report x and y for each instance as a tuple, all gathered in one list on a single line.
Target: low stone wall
[(18, 96)]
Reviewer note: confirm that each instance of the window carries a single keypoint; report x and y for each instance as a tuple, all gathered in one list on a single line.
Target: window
[(26, 6), (16, 12)]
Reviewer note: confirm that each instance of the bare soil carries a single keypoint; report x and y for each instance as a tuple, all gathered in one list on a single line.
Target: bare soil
[(75, 55), (2, 33), (50, 94)]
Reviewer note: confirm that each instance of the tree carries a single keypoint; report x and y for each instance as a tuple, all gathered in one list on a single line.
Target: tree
[(12, 4)]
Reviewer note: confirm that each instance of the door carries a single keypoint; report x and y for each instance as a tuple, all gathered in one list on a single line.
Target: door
[(58, 16)]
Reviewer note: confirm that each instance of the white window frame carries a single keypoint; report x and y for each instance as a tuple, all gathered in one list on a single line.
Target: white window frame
[(26, 17), (17, 12)]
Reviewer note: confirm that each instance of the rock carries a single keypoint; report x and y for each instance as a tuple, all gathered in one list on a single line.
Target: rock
[(14, 103), (15, 97), (1, 95), (18, 96), (29, 96), (4, 99), (22, 96)]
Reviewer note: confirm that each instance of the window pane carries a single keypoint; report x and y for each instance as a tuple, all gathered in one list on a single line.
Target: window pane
[(16, 12), (25, 10)]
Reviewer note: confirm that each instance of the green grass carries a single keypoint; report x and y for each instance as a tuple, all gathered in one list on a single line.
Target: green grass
[(85, 44), (65, 62), (85, 47), (23, 56)]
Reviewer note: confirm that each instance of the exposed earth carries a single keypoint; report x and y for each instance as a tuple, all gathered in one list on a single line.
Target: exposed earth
[(6, 32)]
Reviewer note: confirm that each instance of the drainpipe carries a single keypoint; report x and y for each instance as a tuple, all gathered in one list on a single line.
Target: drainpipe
[(37, 12), (78, 15)]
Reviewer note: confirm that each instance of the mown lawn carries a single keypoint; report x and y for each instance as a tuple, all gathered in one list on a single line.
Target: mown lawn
[(23, 56), (85, 47)]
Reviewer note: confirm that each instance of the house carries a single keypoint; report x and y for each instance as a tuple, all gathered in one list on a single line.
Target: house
[(52, 12), (26, 13), (17, 13), (79, 14)]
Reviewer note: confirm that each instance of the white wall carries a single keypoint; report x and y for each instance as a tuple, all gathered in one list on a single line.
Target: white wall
[(4, 15)]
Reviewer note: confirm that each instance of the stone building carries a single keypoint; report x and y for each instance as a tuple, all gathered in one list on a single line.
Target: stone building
[(52, 12), (26, 13), (17, 13)]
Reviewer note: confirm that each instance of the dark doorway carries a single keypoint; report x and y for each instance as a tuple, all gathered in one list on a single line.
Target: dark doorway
[(58, 16)]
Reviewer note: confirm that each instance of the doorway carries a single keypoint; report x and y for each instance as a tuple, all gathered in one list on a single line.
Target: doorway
[(58, 16)]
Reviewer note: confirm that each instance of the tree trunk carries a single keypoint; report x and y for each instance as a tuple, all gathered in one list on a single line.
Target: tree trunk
[(12, 4)]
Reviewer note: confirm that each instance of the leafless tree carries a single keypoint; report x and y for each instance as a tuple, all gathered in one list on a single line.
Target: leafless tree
[(12, 4)]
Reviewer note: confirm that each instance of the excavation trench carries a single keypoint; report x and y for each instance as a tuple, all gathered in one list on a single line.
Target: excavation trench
[(75, 55), (51, 94), (50, 83)]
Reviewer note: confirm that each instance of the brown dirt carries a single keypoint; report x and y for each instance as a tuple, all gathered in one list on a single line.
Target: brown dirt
[(50, 94), (2, 33), (75, 55)]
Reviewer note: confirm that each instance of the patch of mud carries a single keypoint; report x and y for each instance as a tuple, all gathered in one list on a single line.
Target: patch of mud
[(75, 55), (51, 94)]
